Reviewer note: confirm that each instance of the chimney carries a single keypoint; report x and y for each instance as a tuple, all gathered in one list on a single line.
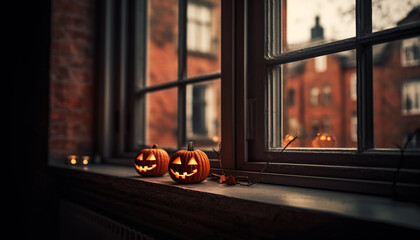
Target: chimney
[(317, 32)]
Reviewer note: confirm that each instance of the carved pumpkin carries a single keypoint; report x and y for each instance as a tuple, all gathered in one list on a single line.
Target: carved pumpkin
[(152, 162), (324, 141), (189, 166)]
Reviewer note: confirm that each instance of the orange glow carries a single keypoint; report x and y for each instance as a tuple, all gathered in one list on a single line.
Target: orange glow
[(85, 160), (184, 174), (324, 140), (144, 168), (140, 157), (151, 157), (73, 161), (192, 161), (177, 161)]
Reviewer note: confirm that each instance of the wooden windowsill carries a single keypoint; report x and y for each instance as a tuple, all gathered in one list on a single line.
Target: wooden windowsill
[(282, 206)]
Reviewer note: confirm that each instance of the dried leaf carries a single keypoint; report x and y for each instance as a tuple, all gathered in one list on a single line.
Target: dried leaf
[(222, 179), (230, 180)]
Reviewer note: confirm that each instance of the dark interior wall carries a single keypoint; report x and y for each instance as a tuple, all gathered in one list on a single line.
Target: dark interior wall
[(33, 214)]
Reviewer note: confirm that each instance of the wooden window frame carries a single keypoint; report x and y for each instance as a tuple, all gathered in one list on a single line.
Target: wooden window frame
[(122, 48), (244, 109), (244, 112)]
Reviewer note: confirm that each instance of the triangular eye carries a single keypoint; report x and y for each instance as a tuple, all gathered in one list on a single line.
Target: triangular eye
[(140, 157), (177, 161), (151, 157), (192, 161)]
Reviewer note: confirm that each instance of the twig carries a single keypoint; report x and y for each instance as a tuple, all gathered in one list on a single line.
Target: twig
[(249, 183), (401, 161)]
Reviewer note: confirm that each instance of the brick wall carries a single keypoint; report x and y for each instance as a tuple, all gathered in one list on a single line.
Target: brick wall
[(71, 78)]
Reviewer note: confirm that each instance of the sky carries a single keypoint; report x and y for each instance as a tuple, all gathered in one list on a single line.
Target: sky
[(337, 17)]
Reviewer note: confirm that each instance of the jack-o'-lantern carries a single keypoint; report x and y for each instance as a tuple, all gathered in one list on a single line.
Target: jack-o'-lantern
[(189, 166), (323, 140), (288, 138), (152, 162)]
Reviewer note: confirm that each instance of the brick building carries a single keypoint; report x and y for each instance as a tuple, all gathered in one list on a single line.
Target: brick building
[(203, 57), (320, 93)]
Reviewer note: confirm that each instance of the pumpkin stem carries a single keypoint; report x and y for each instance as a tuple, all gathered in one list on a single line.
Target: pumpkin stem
[(155, 146), (190, 146)]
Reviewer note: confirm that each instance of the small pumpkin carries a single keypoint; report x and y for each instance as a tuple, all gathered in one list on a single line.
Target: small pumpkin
[(323, 140), (189, 166), (152, 162)]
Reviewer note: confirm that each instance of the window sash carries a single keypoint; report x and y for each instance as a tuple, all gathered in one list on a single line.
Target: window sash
[(338, 169), (124, 38)]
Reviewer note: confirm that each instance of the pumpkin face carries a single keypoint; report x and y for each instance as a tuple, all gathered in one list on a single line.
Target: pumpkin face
[(152, 162), (189, 166)]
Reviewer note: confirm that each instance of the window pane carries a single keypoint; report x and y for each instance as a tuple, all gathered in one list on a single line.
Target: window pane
[(161, 118), (314, 22), (203, 37), (317, 105), (396, 83), (203, 114), (390, 13), (162, 45)]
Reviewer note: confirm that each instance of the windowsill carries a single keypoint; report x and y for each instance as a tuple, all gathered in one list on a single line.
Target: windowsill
[(356, 207)]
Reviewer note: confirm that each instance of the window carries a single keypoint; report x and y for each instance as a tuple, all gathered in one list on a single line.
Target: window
[(353, 87), (411, 97), (321, 64), (410, 52), (326, 95), (314, 98), (268, 50), (156, 91), (199, 33), (356, 81)]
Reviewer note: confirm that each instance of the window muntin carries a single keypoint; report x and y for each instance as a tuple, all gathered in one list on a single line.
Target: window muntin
[(346, 65)]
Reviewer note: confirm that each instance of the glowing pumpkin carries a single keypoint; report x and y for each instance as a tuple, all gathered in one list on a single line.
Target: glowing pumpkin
[(152, 162), (324, 141), (189, 166)]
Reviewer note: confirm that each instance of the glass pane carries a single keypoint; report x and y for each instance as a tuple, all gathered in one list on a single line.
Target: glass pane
[(318, 22), (318, 102), (396, 84), (203, 114), (162, 45), (390, 13), (203, 37), (161, 118)]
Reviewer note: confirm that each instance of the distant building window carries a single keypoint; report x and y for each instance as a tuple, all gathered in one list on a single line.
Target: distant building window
[(410, 52), (353, 87), (321, 63), (290, 97), (314, 96), (201, 111), (326, 95), (199, 28), (411, 97), (353, 127)]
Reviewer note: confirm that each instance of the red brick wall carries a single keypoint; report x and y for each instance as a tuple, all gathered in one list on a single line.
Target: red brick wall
[(71, 78)]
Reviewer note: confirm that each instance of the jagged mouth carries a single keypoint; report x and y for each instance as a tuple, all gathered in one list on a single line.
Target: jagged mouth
[(184, 174), (145, 168)]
